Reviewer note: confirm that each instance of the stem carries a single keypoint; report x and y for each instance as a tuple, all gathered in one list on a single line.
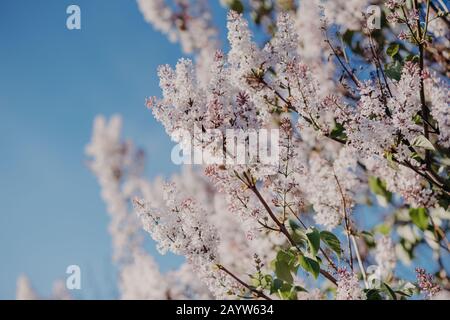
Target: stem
[(425, 110), (346, 221), (350, 74), (379, 66), (272, 215), (408, 25), (283, 228), (427, 18), (258, 293), (361, 266)]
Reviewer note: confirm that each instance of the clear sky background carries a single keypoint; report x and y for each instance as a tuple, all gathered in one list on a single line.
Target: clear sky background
[(53, 82)]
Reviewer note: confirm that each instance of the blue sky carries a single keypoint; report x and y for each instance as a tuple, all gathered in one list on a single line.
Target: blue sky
[(52, 84)]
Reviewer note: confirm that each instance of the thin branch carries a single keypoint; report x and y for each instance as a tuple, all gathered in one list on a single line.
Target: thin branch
[(360, 263), (282, 227), (258, 293), (346, 221), (349, 73)]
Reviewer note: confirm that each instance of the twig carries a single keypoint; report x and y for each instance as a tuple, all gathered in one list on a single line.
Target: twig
[(258, 293), (361, 266), (282, 227)]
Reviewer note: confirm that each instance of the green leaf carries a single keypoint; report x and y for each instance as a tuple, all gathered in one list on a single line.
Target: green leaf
[(390, 158), (412, 57), (309, 265), (422, 142), (332, 241), (276, 285), (383, 228), (287, 292), (373, 294), (284, 290), (338, 132), (417, 119), (419, 217), (347, 37), (282, 271), (379, 188), (389, 291), (314, 241), (297, 234), (416, 157), (236, 5), (255, 282), (392, 50), (300, 289), (266, 281), (393, 70), (288, 257), (294, 226)]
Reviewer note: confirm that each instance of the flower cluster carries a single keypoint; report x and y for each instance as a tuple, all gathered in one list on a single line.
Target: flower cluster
[(180, 227), (385, 256), (187, 22), (426, 283), (117, 165), (349, 287), (24, 290), (348, 14)]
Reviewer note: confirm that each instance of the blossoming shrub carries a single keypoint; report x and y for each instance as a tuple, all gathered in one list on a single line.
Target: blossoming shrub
[(359, 197)]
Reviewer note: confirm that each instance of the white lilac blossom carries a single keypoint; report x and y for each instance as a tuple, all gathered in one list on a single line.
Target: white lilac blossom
[(402, 181), (119, 170), (441, 295), (405, 103), (332, 186), (180, 228), (248, 64), (438, 27), (113, 161), (439, 95), (349, 287), (393, 4), (323, 194), (239, 240), (244, 54), (183, 99), (313, 49), (376, 125), (187, 22), (385, 257), (25, 291), (349, 14), (184, 284), (426, 284), (142, 280), (284, 45)]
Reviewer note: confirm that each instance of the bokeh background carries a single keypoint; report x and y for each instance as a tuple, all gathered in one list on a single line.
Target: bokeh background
[(53, 81)]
